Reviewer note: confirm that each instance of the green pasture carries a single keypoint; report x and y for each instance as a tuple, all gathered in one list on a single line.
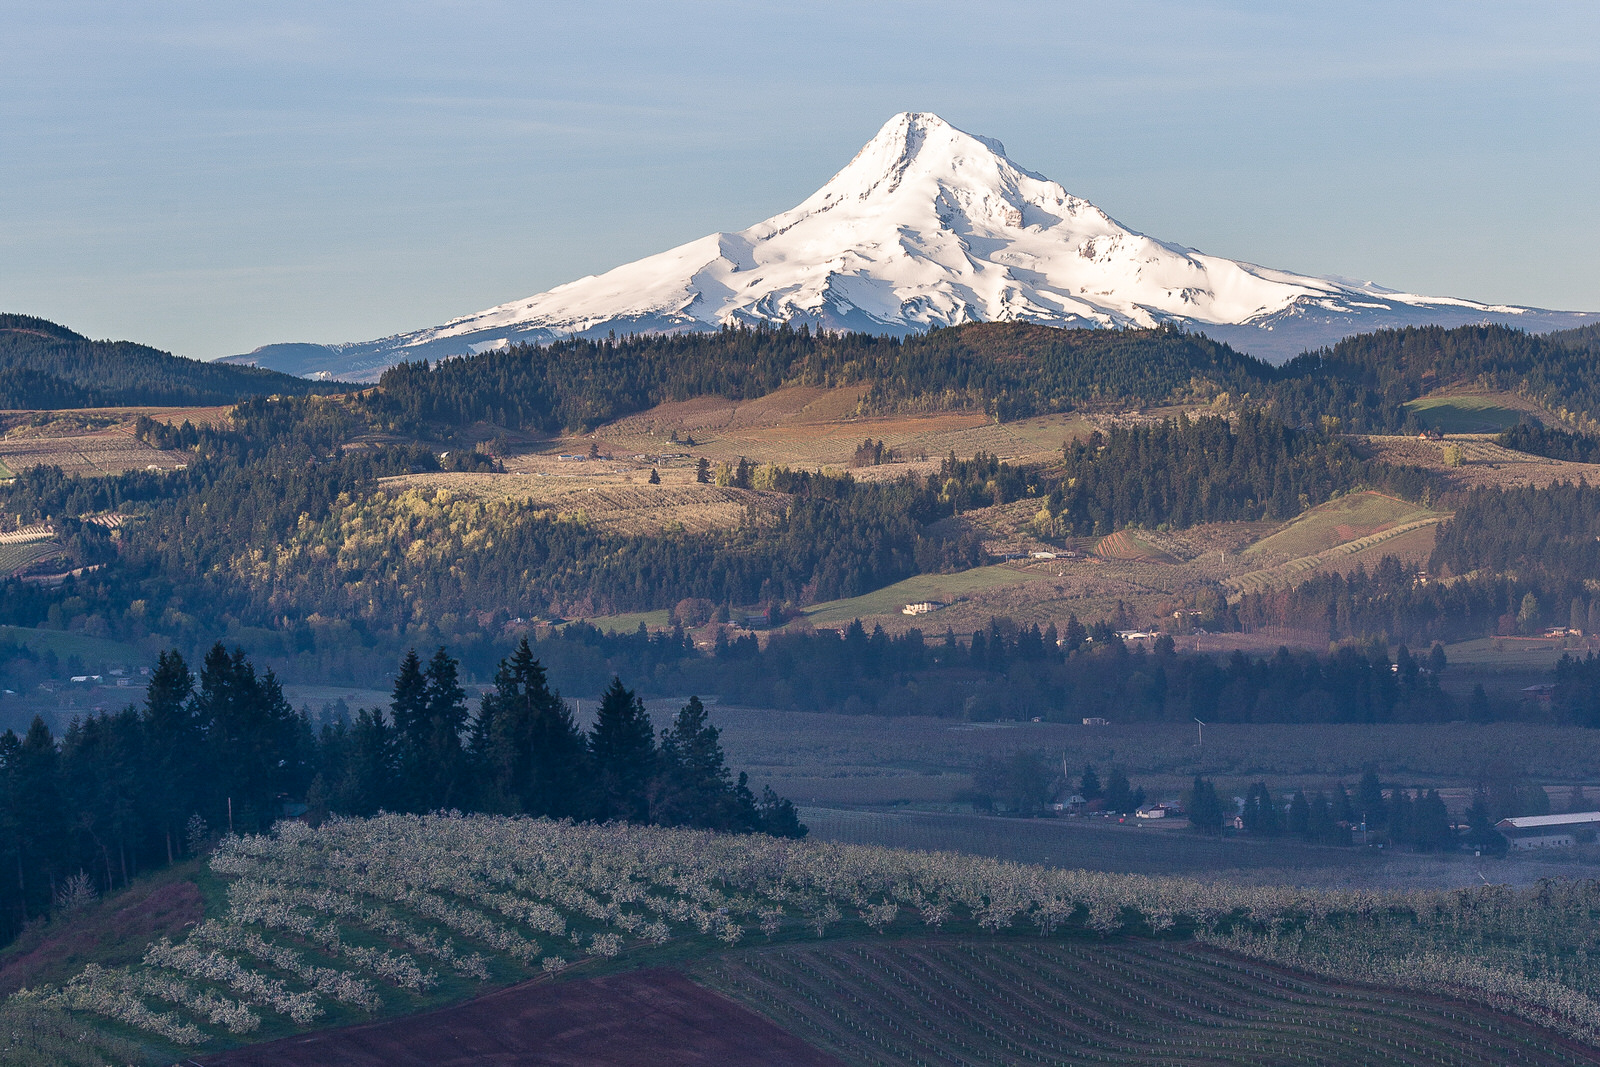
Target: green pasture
[(92, 650), (941, 587), (1465, 414), (1318, 529)]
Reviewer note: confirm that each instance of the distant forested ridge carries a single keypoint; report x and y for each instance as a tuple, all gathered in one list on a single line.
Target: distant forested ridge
[(43, 365), (1010, 370), (278, 527)]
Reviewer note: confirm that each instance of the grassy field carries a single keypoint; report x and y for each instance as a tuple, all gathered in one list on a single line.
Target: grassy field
[(94, 651), (1013, 1001), (1470, 413), (934, 587), (816, 427), (1339, 521), (629, 621)]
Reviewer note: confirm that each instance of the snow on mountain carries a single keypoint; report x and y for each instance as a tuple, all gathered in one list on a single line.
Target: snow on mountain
[(930, 226)]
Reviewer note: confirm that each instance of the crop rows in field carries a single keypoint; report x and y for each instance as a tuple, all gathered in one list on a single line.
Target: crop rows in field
[(994, 1001), (15, 557), (398, 912), (1095, 845)]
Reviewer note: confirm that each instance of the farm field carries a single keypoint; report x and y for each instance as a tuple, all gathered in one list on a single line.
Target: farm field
[(1483, 463), (933, 587), (830, 761), (609, 498), (371, 923), (970, 1001), (15, 557), (639, 1019), (1133, 847), (1164, 850), (1128, 545), (815, 427), (1339, 522), (1472, 412), (91, 440)]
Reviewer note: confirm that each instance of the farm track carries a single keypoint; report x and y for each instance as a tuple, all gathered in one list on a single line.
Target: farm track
[(1005, 1001)]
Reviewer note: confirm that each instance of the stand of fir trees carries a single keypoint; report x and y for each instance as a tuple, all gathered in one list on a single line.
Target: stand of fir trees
[(124, 792)]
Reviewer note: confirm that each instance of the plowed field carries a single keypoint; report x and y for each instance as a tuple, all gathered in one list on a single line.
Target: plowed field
[(1013, 1001), (653, 1018)]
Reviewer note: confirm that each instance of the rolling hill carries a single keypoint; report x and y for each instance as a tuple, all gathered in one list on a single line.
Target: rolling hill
[(44, 365)]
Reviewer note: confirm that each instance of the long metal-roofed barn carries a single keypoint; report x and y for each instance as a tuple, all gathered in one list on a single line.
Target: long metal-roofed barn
[(1550, 831)]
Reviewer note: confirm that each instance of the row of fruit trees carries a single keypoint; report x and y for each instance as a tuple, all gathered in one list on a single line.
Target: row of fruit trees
[(364, 913)]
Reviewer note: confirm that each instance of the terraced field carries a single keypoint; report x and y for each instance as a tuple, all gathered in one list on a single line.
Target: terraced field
[(1363, 550), (1126, 545), (1006, 1000)]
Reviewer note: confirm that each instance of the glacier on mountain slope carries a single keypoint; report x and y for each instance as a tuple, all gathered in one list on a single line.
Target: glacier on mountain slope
[(930, 226)]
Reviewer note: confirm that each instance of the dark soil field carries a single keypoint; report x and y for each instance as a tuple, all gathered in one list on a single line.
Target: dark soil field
[(1018, 1000), (640, 1019)]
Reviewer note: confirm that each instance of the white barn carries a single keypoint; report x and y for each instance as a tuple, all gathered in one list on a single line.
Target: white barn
[(1528, 832)]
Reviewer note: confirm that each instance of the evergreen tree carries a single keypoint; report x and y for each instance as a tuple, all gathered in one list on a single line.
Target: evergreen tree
[(1431, 831), (778, 815), (1481, 834), (445, 709), (172, 732), (1261, 811), (1089, 785), (622, 746), (696, 788), (1205, 807), (1075, 635), (1478, 705), (1369, 801), (1299, 820), (530, 755), (1121, 797), (258, 745)]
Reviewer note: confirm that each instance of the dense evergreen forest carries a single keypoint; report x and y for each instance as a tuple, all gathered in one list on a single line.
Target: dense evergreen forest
[(43, 365), (1183, 472), (1010, 370), (123, 792), (1537, 439)]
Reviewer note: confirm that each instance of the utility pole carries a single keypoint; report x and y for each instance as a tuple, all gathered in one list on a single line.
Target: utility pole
[(230, 813), (1200, 734)]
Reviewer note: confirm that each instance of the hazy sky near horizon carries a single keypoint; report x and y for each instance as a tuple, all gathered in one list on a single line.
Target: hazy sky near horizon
[(211, 177)]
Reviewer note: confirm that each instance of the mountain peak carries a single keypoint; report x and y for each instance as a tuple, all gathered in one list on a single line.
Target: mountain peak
[(931, 226)]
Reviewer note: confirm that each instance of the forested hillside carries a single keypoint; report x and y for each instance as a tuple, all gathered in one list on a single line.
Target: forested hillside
[(43, 365), (1010, 370)]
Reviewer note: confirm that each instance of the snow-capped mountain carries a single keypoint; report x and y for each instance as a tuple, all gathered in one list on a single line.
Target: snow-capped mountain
[(930, 226)]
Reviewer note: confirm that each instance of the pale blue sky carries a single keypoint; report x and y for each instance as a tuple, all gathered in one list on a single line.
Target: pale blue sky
[(208, 177)]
